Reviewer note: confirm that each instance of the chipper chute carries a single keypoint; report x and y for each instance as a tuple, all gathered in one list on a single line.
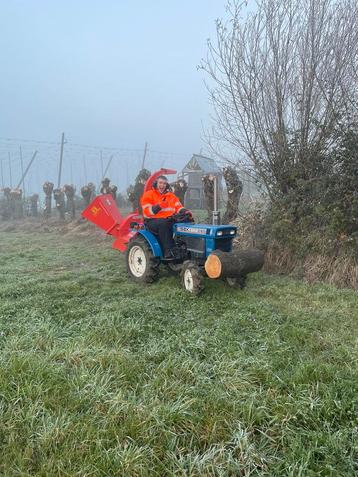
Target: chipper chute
[(200, 248), (104, 213)]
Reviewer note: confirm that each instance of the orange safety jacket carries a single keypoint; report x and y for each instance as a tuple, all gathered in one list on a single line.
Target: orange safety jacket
[(169, 203)]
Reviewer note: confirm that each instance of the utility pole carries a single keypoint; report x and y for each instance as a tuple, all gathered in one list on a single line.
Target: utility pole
[(61, 158), (144, 154), (10, 173), (216, 212), (100, 155), (26, 171), (71, 176), (107, 167), (22, 173)]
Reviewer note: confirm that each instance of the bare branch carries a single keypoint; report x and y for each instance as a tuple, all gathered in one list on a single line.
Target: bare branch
[(279, 79)]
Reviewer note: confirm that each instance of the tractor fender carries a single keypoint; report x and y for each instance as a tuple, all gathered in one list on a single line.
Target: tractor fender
[(153, 242)]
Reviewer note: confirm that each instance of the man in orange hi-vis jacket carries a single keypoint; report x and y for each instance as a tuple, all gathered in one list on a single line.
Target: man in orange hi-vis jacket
[(159, 205)]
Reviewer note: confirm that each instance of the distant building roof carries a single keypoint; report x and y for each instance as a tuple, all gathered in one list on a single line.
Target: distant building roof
[(202, 163)]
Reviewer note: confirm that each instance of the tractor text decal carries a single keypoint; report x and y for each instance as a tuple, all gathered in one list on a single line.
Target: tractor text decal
[(191, 230), (95, 210)]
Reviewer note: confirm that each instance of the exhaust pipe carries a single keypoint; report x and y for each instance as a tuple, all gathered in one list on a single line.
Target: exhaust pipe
[(216, 213)]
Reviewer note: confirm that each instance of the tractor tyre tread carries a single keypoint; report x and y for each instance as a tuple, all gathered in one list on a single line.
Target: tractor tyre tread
[(196, 274), (152, 271)]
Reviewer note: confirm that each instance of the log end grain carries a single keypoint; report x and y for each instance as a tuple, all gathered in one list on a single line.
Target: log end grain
[(213, 266)]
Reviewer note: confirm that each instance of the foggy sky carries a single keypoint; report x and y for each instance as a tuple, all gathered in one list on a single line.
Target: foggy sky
[(108, 73)]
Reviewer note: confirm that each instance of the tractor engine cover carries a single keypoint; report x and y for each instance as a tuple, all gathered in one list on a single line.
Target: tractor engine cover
[(202, 239)]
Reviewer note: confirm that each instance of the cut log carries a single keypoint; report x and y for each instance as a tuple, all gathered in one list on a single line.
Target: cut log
[(233, 264)]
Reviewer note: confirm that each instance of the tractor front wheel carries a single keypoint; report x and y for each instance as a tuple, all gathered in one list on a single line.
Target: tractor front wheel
[(192, 278), (142, 266)]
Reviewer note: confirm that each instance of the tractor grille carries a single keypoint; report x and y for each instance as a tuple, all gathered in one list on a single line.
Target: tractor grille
[(195, 244), (223, 244)]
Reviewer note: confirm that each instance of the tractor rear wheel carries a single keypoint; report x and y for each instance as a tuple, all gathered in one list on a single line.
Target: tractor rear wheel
[(192, 278), (142, 266)]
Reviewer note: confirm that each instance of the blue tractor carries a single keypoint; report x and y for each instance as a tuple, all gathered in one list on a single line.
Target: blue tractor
[(196, 243), (204, 249)]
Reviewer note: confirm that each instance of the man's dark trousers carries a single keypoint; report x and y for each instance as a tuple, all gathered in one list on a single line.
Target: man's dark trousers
[(163, 228)]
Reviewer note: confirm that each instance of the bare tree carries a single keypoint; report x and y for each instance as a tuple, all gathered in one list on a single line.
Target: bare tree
[(279, 79)]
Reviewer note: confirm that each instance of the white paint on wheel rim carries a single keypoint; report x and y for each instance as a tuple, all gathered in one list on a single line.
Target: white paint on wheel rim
[(137, 261), (188, 280)]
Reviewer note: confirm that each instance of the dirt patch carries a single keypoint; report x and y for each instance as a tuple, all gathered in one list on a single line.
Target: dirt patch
[(83, 228), (75, 228)]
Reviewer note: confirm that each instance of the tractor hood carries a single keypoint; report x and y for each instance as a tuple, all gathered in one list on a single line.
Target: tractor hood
[(205, 230)]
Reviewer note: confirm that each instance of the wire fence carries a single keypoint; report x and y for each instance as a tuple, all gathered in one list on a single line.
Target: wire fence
[(82, 163)]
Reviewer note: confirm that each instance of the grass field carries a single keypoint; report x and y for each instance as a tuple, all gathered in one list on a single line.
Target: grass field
[(102, 377)]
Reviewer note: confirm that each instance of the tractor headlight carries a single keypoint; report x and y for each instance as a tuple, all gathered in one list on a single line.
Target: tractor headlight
[(219, 233), (232, 232)]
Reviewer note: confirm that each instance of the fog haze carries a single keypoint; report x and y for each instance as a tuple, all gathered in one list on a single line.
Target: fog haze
[(112, 73)]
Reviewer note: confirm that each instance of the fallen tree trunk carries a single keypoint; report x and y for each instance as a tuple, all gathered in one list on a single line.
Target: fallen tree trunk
[(233, 264)]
